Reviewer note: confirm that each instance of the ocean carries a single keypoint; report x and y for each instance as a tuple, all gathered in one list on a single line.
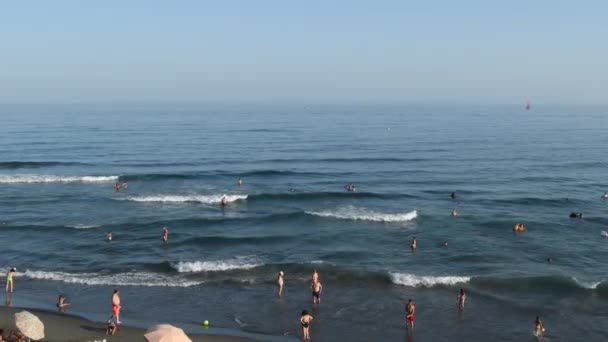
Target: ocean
[(507, 165)]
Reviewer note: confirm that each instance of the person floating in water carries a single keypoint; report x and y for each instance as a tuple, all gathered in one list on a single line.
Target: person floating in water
[(410, 315), (9, 279), (605, 195), (539, 327), (350, 187), (109, 236), (462, 297), (444, 244), (453, 195), (454, 213), (240, 182), (578, 215), (280, 283), (61, 303), (518, 227), (549, 260), (305, 320), (165, 236), (414, 244), (316, 292)]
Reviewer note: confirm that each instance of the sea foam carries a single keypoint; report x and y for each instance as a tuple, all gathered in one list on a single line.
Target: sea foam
[(55, 179), (121, 279), (238, 263), (205, 199), (353, 213), (411, 280)]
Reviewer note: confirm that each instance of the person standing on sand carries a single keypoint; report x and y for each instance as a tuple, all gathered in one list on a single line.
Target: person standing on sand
[(9, 279), (462, 297), (316, 292), (410, 315), (115, 308), (280, 283), (305, 320), (165, 236)]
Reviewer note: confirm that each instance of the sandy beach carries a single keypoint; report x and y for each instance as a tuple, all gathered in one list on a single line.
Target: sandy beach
[(68, 328)]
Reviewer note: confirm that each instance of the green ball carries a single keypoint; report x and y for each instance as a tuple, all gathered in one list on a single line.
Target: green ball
[(206, 323)]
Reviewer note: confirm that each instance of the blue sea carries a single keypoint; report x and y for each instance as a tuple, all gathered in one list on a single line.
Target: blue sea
[(507, 165)]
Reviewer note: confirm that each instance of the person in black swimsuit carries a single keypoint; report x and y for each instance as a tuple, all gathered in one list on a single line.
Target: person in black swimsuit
[(305, 319)]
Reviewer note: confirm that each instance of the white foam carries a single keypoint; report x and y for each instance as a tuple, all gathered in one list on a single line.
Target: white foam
[(55, 179), (411, 280), (353, 213), (120, 279), (206, 199), (82, 226), (590, 285), (238, 263)]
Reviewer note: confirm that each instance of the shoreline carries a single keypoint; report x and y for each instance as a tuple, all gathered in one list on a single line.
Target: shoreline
[(63, 327)]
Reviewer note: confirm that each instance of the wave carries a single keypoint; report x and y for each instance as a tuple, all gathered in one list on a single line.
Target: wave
[(205, 199), (219, 173), (352, 213), (13, 165), (119, 279), (410, 280), (542, 283), (82, 226), (238, 263), (320, 195), (55, 179)]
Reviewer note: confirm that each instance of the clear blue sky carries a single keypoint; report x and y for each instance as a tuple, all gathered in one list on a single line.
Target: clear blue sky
[(304, 51)]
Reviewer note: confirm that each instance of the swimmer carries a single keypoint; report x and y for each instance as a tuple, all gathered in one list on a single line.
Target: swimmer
[(165, 236), (61, 303), (444, 244), (454, 213), (519, 227), (578, 215), (224, 201), (462, 297), (240, 182), (410, 314), (9, 279), (125, 185), (549, 260), (117, 186), (605, 195), (414, 244), (280, 283), (109, 236), (539, 327), (305, 319), (316, 288), (453, 195)]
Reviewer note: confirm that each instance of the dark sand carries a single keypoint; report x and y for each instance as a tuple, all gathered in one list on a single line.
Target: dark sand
[(67, 328)]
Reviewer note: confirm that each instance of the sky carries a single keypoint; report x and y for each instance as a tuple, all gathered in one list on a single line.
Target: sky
[(257, 51)]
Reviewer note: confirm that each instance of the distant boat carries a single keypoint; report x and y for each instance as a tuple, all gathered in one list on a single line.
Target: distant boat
[(527, 105)]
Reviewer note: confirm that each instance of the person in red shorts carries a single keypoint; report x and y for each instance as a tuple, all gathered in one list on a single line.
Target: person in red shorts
[(115, 307), (410, 314)]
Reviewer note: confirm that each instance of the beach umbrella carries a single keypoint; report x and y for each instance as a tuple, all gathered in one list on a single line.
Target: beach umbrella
[(29, 325), (166, 333)]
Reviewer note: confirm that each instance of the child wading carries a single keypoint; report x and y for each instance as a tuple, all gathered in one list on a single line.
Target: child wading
[(305, 320)]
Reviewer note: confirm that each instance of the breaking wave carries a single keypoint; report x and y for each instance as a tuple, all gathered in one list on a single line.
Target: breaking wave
[(352, 213)]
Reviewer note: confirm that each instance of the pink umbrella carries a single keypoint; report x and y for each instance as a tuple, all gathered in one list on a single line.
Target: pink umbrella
[(166, 333)]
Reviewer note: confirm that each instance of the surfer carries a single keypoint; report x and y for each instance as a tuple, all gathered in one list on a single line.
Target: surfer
[(410, 314), (462, 297), (109, 236), (539, 327), (9, 279), (316, 292), (240, 182), (165, 236), (61, 303), (305, 321), (115, 307), (414, 244), (454, 213), (280, 282)]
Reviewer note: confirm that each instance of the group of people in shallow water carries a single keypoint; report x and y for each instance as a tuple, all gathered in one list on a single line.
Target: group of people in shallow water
[(316, 289)]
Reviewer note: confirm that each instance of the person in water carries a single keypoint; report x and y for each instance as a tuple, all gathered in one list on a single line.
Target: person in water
[(109, 236), (224, 201), (414, 244), (444, 244), (117, 186), (316, 292), (539, 327), (549, 260), (462, 297), (9, 279), (280, 283), (165, 236), (453, 195), (454, 213), (61, 303), (605, 195), (115, 307), (578, 215), (305, 320), (240, 182), (315, 276), (125, 185), (410, 314)]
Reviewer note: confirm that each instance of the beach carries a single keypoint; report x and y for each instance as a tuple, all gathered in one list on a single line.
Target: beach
[(61, 327), (505, 164)]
